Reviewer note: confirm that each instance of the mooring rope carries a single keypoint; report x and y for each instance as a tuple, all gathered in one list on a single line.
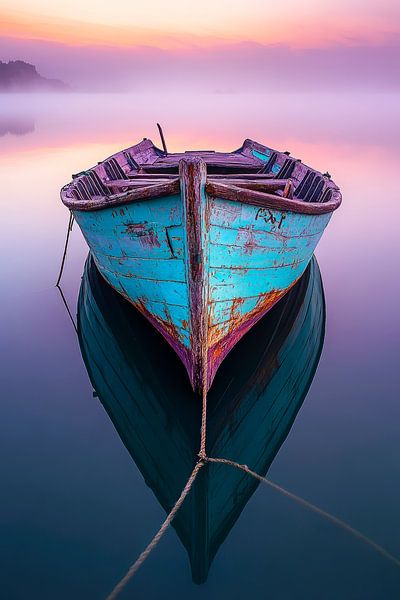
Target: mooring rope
[(200, 463), (310, 506), (203, 428), (70, 223), (138, 563), (203, 459), (67, 308)]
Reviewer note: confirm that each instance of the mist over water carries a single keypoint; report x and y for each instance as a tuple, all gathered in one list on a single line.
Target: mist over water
[(74, 508), (331, 117), (348, 66)]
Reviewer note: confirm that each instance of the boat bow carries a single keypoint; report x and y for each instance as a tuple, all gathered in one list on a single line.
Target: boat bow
[(202, 243)]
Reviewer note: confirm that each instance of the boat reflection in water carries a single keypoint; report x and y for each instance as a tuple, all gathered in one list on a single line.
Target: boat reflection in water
[(252, 404)]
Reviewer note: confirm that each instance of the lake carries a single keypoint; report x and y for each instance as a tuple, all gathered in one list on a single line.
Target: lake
[(75, 509)]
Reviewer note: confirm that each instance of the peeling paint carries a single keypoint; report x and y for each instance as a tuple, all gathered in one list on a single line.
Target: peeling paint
[(145, 233)]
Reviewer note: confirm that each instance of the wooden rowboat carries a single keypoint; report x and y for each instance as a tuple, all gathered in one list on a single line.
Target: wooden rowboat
[(252, 405), (202, 243)]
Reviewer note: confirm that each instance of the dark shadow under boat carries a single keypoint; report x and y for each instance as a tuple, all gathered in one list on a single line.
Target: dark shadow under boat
[(252, 404)]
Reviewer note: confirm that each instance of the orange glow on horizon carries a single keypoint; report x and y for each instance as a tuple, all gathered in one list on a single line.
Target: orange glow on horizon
[(77, 33), (307, 34)]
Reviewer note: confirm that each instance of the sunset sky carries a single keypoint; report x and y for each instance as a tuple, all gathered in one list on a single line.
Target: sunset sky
[(124, 39)]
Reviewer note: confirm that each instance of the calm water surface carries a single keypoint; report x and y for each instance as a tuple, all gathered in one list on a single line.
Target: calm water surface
[(75, 510)]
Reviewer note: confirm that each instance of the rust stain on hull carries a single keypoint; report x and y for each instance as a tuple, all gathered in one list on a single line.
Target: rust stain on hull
[(223, 337), (237, 319), (166, 325)]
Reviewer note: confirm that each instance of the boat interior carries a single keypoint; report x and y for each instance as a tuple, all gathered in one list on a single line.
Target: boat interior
[(253, 171)]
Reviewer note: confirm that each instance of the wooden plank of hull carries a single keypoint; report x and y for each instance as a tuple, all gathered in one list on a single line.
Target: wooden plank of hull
[(252, 405)]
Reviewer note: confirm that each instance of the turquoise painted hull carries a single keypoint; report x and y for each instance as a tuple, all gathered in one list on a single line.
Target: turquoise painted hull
[(202, 243), (250, 256), (251, 407)]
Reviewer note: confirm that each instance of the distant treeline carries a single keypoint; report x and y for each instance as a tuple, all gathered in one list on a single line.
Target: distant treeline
[(20, 76)]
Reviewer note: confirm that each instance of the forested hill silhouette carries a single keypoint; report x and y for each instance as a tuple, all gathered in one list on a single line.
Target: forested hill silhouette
[(20, 76)]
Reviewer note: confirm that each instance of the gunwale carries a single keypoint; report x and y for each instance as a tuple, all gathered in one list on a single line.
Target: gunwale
[(150, 179)]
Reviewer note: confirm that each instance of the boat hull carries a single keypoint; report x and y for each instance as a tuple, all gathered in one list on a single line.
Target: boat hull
[(202, 269)]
